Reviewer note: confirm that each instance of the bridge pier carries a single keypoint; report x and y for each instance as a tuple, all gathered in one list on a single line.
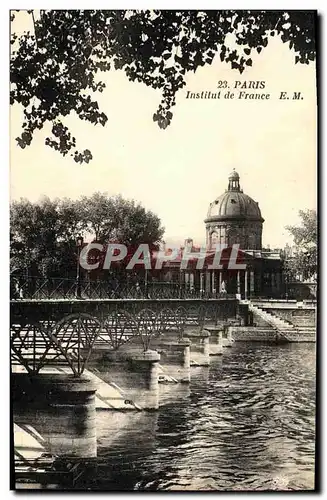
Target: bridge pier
[(216, 340), (62, 410), (134, 371), (174, 358), (242, 314), (200, 347), (227, 339)]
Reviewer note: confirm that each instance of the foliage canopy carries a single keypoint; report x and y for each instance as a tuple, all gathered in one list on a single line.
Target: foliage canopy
[(43, 234), (54, 70), (304, 262)]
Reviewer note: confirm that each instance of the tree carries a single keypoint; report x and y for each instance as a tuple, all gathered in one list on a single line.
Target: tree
[(304, 262), (43, 234), (54, 70), (114, 218)]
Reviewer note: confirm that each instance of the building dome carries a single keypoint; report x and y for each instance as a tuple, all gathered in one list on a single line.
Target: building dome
[(234, 204), (234, 218)]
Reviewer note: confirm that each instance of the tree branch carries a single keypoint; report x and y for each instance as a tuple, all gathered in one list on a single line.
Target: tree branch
[(33, 18)]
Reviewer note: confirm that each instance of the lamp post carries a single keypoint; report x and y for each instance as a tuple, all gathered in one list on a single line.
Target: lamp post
[(79, 245), (306, 266), (146, 283), (286, 285)]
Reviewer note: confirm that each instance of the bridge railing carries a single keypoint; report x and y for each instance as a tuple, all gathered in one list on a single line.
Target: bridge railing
[(36, 344), (39, 288)]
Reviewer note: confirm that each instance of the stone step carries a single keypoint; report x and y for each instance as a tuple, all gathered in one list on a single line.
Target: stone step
[(281, 321), (300, 338), (278, 323), (285, 328), (268, 313)]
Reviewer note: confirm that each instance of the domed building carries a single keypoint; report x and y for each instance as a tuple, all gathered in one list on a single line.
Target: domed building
[(234, 218)]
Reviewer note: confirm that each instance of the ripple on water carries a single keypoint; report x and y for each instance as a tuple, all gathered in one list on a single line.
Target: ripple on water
[(246, 423)]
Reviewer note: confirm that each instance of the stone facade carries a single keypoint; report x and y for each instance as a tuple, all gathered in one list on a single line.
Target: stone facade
[(298, 317), (234, 218), (252, 334)]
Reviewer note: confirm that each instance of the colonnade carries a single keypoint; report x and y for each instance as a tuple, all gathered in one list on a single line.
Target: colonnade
[(244, 283)]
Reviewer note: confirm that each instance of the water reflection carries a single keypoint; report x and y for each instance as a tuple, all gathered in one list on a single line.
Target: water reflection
[(247, 422)]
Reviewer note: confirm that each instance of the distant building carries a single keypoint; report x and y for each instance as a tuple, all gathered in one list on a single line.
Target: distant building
[(234, 217), (290, 251)]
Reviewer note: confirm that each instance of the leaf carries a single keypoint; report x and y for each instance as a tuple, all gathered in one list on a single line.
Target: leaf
[(59, 73)]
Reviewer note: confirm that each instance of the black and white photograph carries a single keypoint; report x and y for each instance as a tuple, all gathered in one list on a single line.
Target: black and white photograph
[(163, 250)]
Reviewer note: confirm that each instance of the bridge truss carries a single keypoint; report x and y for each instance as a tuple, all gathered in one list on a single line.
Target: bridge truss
[(53, 334)]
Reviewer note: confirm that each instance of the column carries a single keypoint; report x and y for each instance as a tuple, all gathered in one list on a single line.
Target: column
[(251, 283), (245, 284), (191, 281), (186, 280), (62, 410), (213, 282), (196, 281), (208, 282), (220, 274), (201, 283), (238, 283)]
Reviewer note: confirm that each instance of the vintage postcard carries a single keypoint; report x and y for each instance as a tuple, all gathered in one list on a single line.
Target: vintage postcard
[(163, 250)]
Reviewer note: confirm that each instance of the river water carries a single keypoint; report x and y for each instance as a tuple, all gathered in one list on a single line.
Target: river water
[(247, 422)]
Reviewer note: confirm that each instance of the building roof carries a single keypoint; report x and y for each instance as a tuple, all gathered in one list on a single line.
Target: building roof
[(234, 175), (234, 203)]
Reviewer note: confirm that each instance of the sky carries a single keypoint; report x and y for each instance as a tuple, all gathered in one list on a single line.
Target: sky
[(177, 172)]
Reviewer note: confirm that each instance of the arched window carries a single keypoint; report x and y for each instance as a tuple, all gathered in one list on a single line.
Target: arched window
[(214, 238), (223, 235)]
